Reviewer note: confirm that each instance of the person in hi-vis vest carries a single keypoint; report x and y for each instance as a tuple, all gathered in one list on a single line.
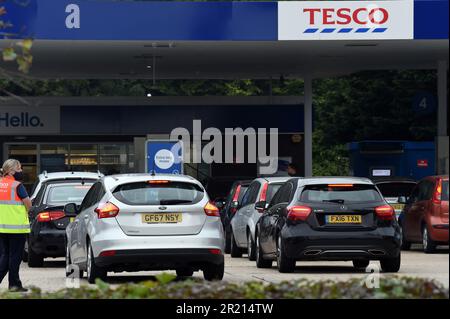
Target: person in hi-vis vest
[(14, 223)]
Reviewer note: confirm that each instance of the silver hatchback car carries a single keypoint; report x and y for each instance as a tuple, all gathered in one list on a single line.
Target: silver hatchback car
[(243, 224), (142, 222)]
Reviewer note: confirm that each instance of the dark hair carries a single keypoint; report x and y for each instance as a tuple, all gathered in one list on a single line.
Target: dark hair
[(292, 165)]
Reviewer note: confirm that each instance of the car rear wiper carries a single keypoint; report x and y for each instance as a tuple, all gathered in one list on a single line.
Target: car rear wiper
[(337, 201)]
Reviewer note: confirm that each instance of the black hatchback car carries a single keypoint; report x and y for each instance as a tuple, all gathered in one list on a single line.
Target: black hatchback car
[(48, 221), (328, 218)]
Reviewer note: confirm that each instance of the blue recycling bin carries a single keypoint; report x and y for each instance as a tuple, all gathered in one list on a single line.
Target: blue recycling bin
[(407, 159)]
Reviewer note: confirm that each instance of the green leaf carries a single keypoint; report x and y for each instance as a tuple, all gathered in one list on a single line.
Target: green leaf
[(101, 285), (9, 54), (24, 64), (25, 44), (165, 278)]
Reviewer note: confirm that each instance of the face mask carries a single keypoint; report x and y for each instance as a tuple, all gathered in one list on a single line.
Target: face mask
[(18, 176)]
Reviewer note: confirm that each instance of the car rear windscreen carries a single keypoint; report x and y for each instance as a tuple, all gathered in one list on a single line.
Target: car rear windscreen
[(396, 189), (168, 193), (354, 193), (242, 192), (271, 190), (444, 190), (59, 195)]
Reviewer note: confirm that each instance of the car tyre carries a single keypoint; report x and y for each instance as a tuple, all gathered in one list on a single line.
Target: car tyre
[(251, 247), (406, 245), (214, 272), (25, 252), (34, 260), (361, 263), (260, 261), (235, 251), (284, 263), (92, 270), (227, 242), (429, 245), (391, 264)]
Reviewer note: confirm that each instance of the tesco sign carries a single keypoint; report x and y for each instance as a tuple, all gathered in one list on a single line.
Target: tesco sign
[(345, 20), (345, 16)]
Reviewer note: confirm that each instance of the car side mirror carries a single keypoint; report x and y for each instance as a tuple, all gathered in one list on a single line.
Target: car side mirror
[(235, 204), (261, 206), (219, 204), (71, 210), (402, 200)]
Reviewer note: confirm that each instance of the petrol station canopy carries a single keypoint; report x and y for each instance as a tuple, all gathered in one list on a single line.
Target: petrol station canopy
[(226, 40), (106, 39)]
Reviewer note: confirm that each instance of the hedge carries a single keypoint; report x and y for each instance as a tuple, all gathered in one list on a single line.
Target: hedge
[(167, 287)]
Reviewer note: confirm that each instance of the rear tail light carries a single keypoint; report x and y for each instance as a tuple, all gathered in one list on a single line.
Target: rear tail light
[(50, 216), (107, 253), (385, 212), (233, 210), (215, 251), (437, 197), (107, 210), (263, 196), (236, 194), (211, 210), (296, 213)]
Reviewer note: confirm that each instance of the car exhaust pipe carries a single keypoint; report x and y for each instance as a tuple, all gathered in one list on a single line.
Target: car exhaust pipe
[(313, 252), (377, 252)]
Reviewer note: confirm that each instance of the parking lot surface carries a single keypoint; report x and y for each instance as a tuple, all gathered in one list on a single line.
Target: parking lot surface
[(414, 263)]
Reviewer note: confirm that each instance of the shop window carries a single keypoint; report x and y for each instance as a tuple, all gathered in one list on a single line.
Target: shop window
[(26, 154), (54, 158), (83, 158), (113, 159)]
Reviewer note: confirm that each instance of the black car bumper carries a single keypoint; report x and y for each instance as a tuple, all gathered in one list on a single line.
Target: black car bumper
[(304, 243), (159, 259), (48, 242)]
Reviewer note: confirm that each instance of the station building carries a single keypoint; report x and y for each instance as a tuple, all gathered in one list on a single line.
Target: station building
[(89, 39)]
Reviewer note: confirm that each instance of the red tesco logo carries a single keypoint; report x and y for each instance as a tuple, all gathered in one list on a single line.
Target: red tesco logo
[(422, 163), (343, 16)]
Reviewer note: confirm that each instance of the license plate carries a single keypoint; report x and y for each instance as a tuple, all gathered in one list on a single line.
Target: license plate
[(398, 206), (162, 218), (343, 219)]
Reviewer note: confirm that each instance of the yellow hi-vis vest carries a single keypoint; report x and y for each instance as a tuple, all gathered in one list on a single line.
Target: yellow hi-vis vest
[(13, 213)]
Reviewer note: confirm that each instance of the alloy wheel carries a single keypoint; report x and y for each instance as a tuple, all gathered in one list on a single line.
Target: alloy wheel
[(425, 238), (257, 248), (279, 250), (89, 261), (249, 244), (67, 259)]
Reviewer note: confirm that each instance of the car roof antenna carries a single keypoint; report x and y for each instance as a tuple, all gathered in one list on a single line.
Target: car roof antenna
[(153, 167)]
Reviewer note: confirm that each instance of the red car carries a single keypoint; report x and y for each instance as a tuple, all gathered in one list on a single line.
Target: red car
[(425, 216)]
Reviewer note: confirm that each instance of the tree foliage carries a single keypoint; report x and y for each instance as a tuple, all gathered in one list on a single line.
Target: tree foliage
[(363, 106), (19, 51)]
